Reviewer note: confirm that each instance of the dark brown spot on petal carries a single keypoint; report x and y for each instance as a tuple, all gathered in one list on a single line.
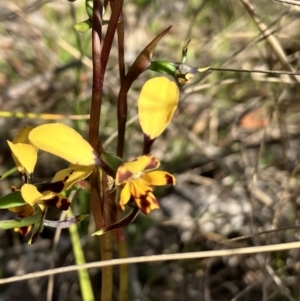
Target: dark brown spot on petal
[(64, 204), (145, 204), (61, 203), (24, 230), (52, 202), (123, 176), (169, 179), (67, 177), (54, 187), (154, 163)]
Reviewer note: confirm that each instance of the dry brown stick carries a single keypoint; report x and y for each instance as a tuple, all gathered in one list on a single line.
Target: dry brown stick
[(155, 258), (288, 2), (270, 38)]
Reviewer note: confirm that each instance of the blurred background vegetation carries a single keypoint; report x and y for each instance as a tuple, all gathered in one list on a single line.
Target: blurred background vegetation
[(233, 144)]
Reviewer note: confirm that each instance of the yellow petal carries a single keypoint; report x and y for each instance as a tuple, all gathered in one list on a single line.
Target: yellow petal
[(135, 167), (30, 194), (124, 196), (147, 202), (143, 196), (23, 211), (158, 178), (138, 187), (63, 141), (72, 174), (22, 135), (25, 156), (156, 105)]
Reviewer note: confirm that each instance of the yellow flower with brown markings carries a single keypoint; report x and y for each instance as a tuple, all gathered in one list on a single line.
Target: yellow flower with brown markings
[(137, 177), (55, 138)]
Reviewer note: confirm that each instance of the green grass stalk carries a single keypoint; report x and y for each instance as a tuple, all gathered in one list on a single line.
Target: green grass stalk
[(83, 275)]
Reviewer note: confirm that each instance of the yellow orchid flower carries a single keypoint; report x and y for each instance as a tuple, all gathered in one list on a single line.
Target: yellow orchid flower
[(137, 177), (24, 152), (50, 194)]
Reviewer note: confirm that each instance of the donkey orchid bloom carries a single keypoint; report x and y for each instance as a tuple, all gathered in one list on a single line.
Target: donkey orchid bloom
[(137, 177)]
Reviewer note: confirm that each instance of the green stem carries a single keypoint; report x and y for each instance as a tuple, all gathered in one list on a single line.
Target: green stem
[(123, 269), (83, 275)]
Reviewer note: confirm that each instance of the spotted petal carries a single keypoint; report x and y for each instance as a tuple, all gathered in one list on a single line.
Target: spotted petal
[(32, 196), (58, 201), (69, 176), (143, 196), (158, 178), (135, 168), (147, 202)]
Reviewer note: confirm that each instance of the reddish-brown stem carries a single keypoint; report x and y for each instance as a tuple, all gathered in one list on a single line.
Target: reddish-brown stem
[(122, 116), (121, 239), (116, 7), (97, 201), (100, 201), (141, 64), (100, 58), (147, 145), (96, 108), (97, 74), (120, 32)]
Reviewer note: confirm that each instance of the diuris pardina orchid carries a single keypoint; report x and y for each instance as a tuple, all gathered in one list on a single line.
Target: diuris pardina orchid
[(38, 196), (157, 103)]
